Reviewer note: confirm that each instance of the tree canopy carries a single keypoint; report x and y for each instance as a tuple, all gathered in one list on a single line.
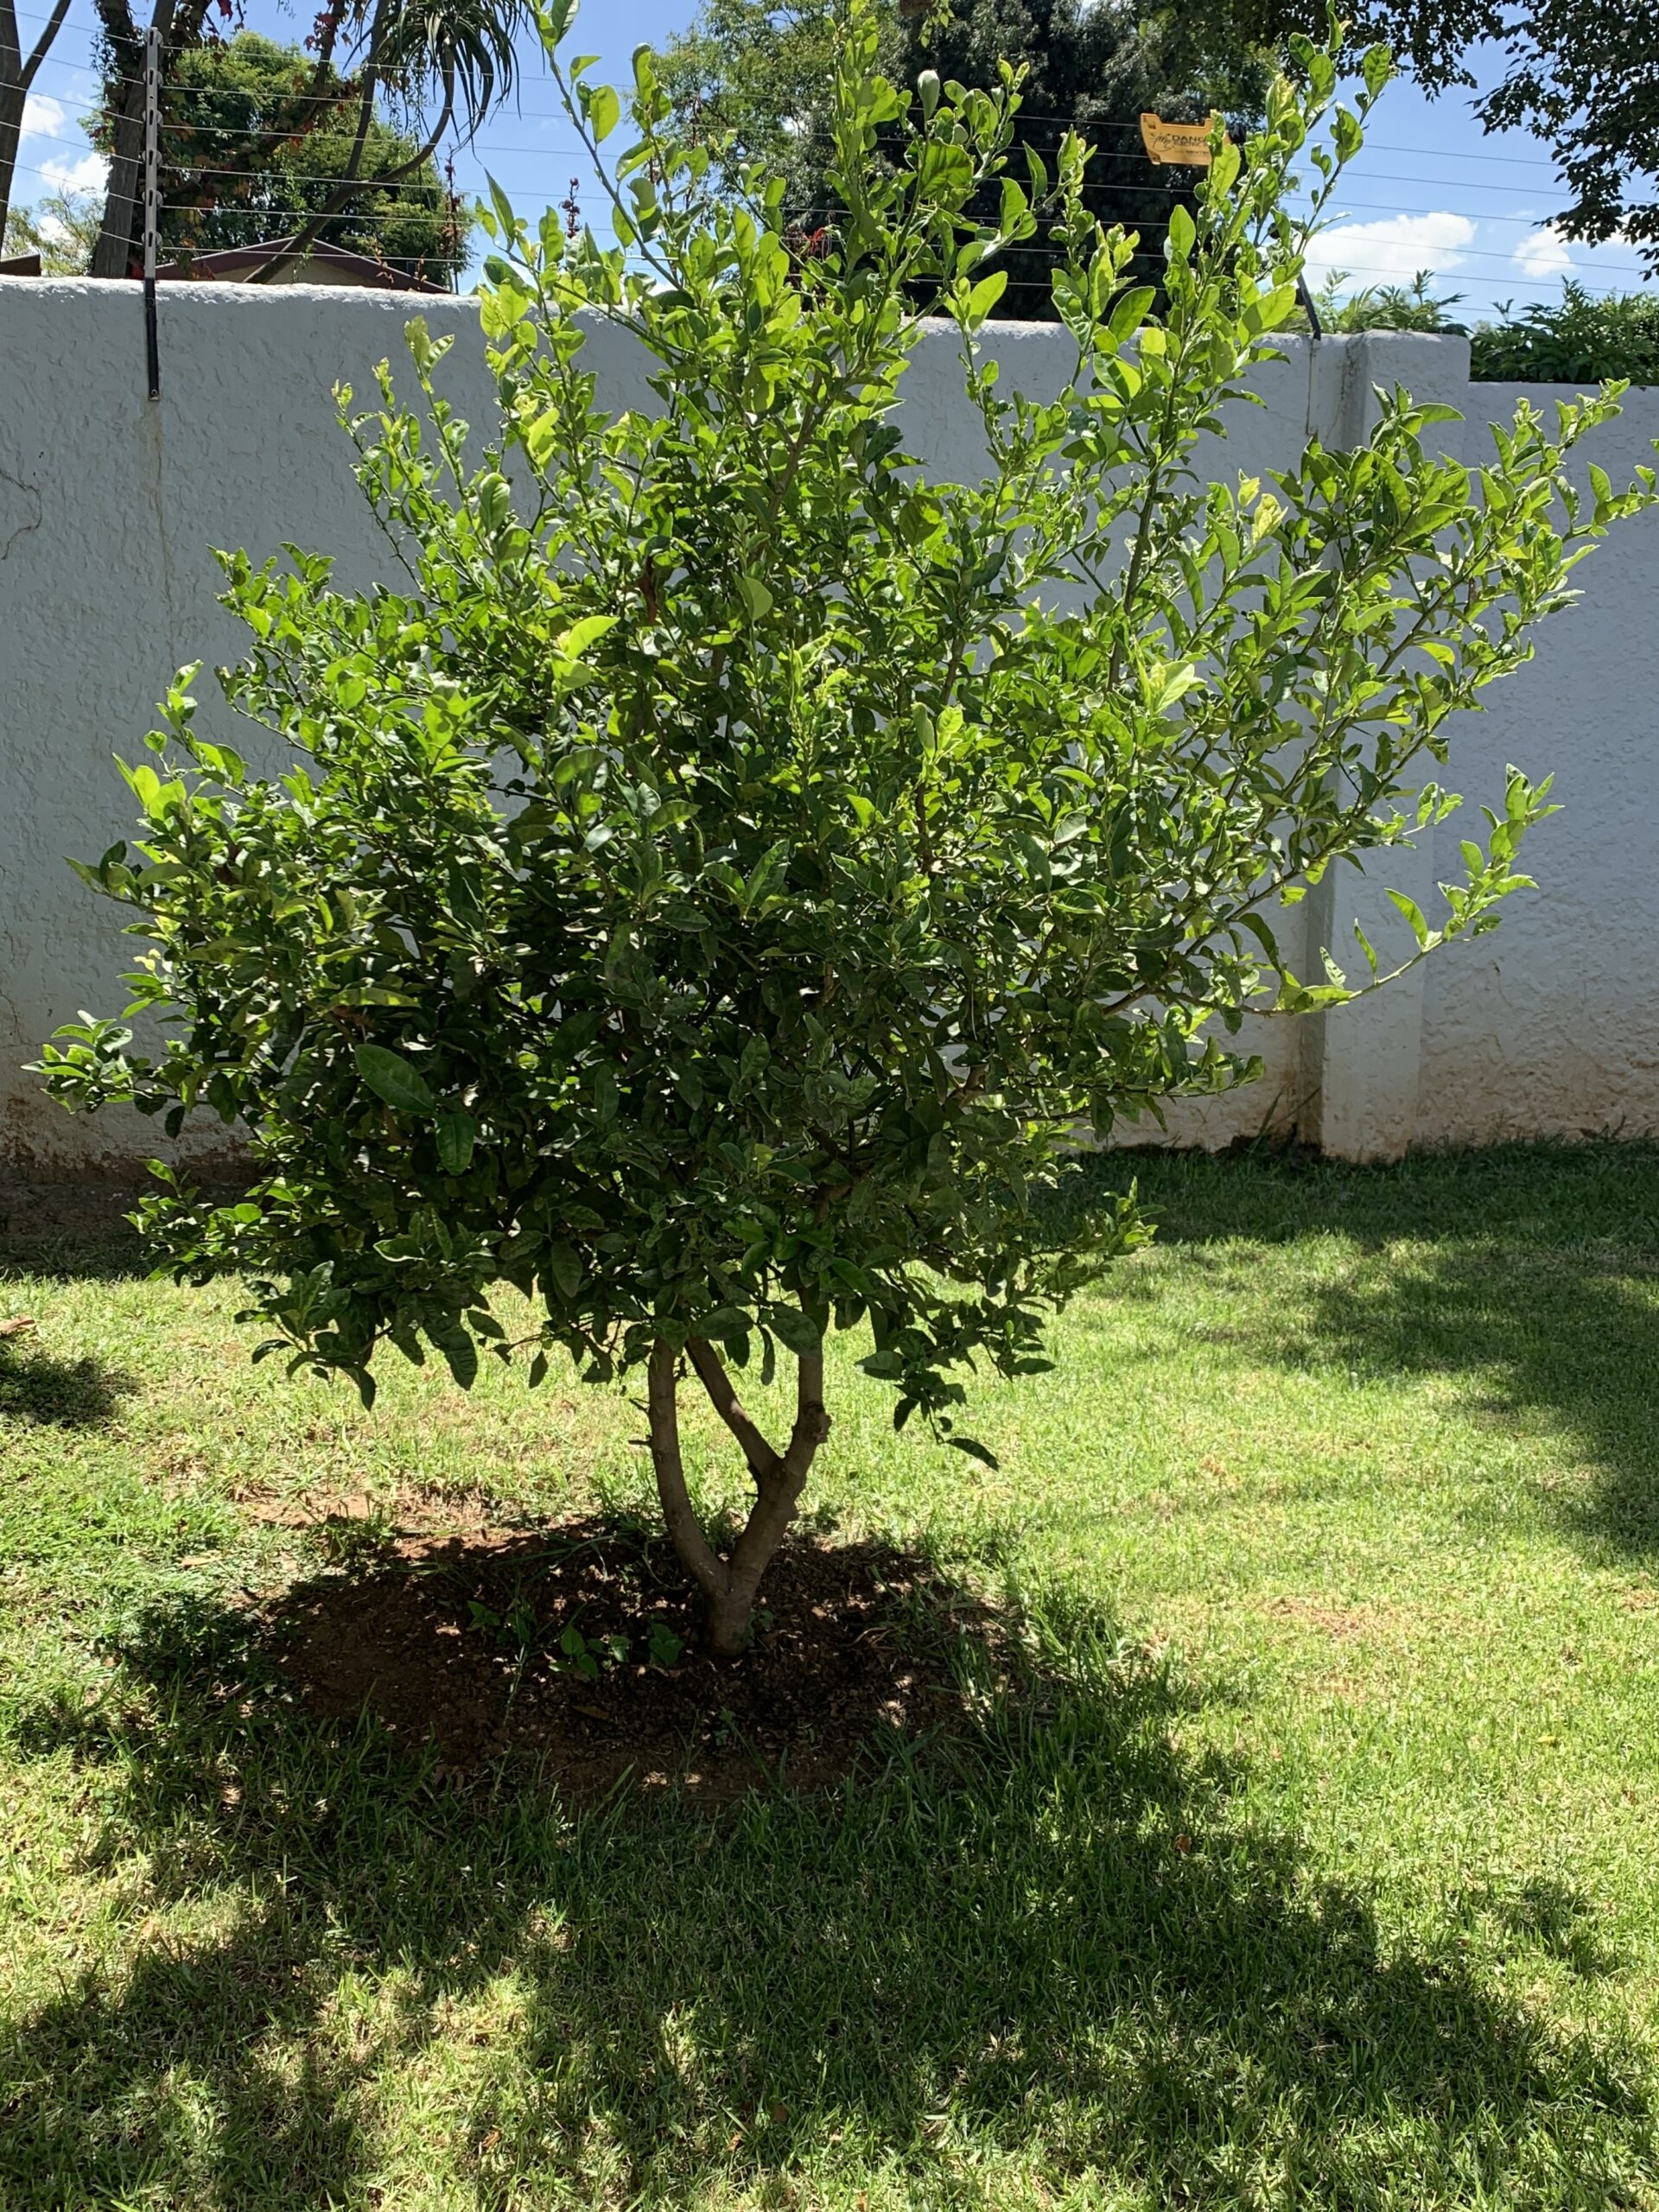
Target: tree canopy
[(761, 78), (1581, 77), (1578, 339), (61, 226), (725, 875), (440, 63), (257, 137)]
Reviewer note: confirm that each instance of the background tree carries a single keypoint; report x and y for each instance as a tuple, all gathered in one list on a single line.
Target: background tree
[(1388, 307), (181, 23), (720, 881), (759, 79), (755, 80), (258, 137), (1578, 339), (18, 70), (1583, 77), (445, 62), (60, 226)]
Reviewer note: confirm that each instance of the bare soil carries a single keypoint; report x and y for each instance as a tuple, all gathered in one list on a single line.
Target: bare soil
[(470, 1644)]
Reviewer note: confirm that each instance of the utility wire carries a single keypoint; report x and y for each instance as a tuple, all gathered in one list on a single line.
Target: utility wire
[(1087, 125), (1151, 185)]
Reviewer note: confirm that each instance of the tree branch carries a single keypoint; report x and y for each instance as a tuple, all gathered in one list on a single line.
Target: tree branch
[(696, 1554), (352, 186), (763, 1462), (43, 44), (781, 1493)]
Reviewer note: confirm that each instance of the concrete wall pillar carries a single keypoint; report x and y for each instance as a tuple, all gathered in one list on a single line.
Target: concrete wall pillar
[(1359, 1063)]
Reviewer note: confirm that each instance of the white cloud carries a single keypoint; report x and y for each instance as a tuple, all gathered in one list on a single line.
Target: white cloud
[(1544, 254), (44, 117), (49, 140), (1393, 251), (90, 173)]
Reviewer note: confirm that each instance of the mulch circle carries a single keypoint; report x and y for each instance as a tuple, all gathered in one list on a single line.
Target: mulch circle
[(577, 1646)]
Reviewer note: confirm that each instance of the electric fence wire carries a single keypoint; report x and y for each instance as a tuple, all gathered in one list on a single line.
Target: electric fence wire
[(1088, 126), (1550, 256)]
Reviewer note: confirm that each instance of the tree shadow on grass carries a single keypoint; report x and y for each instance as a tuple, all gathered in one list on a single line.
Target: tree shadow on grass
[(47, 1392), (1532, 1269), (1058, 1940)]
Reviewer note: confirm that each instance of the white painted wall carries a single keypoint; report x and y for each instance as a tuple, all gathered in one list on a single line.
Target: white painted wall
[(110, 506)]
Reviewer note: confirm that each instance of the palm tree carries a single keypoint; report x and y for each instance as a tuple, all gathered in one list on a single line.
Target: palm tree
[(457, 52)]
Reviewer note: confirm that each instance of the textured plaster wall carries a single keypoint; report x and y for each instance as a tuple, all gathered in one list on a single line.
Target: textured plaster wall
[(110, 506), (1551, 1025)]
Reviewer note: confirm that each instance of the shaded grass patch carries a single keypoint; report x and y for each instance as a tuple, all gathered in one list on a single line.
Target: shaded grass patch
[(1071, 1945), (1295, 1847)]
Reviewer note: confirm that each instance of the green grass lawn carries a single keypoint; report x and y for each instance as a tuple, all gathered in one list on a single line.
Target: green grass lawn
[(1321, 1868)]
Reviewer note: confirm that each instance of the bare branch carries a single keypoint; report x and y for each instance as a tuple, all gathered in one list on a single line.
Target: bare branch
[(763, 1462), (353, 186), (43, 44)]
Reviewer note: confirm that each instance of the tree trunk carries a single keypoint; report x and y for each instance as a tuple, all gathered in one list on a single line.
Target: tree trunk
[(112, 255), (114, 252), (12, 96), (17, 75), (179, 26), (729, 1587)]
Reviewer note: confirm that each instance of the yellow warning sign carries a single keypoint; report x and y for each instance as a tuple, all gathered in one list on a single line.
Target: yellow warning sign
[(1177, 142)]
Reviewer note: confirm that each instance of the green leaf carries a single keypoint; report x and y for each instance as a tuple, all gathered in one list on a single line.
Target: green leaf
[(457, 1133), (574, 641), (390, 1075), (984, 295), (1130, 313), (553, 20), (1264, 937), (503, 207), (565, 1267), (1413, 917), (794, 1331), (603, 109), (757, 600), (460, 1353)]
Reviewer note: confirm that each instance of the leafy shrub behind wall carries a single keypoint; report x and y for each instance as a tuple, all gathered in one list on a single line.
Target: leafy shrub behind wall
[(1579, 339)]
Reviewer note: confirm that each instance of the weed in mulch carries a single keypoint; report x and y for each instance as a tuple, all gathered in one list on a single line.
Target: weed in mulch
[(577, 1646)]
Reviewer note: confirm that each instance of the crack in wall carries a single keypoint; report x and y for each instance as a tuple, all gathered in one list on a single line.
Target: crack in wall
[(17, 499)]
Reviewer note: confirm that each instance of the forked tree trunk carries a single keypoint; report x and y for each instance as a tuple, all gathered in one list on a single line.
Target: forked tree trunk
[(729, 1585), (18, 71)]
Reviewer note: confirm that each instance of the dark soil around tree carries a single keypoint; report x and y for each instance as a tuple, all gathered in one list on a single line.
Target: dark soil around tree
[(577, 1646)]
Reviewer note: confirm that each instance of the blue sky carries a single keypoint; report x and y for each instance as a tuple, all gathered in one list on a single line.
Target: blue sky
[(1430, 190)]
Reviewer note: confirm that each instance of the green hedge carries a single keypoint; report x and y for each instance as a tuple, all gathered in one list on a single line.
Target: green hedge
[(1580, 339)]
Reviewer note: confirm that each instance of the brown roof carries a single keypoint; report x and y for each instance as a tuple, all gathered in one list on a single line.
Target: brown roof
[(241, 261)]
